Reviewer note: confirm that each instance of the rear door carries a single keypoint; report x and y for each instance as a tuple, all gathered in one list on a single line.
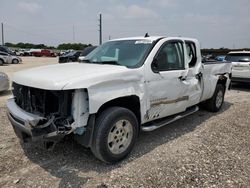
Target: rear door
[(194, 76)]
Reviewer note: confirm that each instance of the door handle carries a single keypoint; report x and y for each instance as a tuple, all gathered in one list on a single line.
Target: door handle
[(182, 78), (198, 76)]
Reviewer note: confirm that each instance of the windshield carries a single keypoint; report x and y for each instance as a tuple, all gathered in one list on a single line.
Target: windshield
[(127, 53), (71, 53), (87, 50), (238, 57)]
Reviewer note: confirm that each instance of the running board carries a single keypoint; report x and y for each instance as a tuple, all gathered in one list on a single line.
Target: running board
[(160, 123)]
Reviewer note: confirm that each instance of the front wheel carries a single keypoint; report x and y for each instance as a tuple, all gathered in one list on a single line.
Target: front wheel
[(15, 61), (214, 104), (115, 134)]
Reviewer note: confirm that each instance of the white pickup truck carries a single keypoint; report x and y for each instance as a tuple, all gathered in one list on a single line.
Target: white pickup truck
[(121, 88)]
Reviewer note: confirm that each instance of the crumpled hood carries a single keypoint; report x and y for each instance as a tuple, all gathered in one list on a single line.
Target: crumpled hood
[(72, 75)]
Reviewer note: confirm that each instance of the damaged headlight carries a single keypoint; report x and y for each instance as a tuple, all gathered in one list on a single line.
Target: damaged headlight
[(3, 75)]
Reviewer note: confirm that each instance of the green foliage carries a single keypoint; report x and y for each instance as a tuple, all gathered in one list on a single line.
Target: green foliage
[(81, 46), (221, 51), (28, 45), (64, 46)]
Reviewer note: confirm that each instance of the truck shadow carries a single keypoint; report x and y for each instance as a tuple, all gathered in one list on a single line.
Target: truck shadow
[(241, 86), (69, 160), (5, 93)]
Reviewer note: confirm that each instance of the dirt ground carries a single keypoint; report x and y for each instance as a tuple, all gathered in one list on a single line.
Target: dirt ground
[(202, 150)]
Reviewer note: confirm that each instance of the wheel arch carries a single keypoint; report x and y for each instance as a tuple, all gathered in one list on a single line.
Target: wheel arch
[(131, 102), (2, 60), (222, 80)]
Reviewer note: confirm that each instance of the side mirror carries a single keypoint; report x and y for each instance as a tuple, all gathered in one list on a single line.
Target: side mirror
[(154, 66)]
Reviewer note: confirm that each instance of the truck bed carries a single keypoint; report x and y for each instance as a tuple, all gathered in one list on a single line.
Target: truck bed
[(211, 71)]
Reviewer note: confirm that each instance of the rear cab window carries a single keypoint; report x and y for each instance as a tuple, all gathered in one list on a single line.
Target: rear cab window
[(191, 53)]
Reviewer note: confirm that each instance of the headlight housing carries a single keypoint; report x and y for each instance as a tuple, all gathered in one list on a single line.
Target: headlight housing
[(3, 75)]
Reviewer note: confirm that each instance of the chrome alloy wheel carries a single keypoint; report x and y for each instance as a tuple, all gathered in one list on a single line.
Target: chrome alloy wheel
[(120, 136), (219, 99)]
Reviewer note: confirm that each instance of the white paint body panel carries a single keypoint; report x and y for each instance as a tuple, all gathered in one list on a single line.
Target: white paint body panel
[(103, 82), (68, 76), (211, 75)]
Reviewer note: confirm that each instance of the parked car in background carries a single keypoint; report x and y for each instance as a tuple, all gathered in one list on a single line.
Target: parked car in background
[(26, 52), (10, 58), (6, 50), (4, 82), (62, 52), (3, 59), (69, 57), (220, 58), (43, 52), (85, 52), (241, 65), (20, 52)]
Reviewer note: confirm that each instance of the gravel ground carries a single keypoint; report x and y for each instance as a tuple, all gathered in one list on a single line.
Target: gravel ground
[(202, 150)]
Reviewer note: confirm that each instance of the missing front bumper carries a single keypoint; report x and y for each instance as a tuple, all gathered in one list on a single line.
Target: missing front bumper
[(24, 125)]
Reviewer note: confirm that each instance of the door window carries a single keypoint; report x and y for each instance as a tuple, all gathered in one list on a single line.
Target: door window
[(170, 57), (4, 54)]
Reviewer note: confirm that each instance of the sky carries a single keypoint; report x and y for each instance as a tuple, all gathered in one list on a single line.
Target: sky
[(216, 23)]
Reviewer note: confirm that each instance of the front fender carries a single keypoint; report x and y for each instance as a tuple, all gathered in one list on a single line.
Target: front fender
[(104, 92)]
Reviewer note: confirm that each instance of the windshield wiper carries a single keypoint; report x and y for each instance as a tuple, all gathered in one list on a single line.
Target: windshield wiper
[(100, 62), (109, 62), (85, 61)]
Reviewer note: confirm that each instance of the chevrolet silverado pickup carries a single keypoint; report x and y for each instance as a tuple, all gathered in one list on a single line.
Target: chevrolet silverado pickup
[(121, 88)]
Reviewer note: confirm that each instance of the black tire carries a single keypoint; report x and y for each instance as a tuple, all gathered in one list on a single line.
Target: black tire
[(106, 122), (15, 61), (211, 104), (1, 62)]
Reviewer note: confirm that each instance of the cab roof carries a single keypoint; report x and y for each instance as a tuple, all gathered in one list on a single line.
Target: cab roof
[(153, 38)]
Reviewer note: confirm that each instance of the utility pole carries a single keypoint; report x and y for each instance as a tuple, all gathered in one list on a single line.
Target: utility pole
[(2, 34), (100, 29), (73, 33)]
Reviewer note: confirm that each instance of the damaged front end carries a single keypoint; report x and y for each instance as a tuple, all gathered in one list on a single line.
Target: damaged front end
[(47, 115)]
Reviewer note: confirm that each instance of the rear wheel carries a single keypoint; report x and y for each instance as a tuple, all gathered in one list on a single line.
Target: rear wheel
[(115, 135), (214, 104), (1, 62)]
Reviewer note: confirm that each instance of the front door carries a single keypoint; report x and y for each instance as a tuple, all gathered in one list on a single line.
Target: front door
[(166, 84)]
